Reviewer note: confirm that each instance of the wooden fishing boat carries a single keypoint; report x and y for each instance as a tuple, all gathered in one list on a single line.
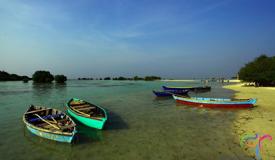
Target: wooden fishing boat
[(49, 123), (215, 102), (169, 94), (89, 114), (174, 89)]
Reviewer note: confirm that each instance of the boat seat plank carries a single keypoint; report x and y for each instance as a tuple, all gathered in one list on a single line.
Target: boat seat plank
[(35, 111), (46, 124), (77, 104), (46, 117), (82, 106), (79, 112), (49, 127), (84, 109)]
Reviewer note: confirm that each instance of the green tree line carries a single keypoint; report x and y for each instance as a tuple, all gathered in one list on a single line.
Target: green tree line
[(47, 77), (261, 71), (136, 78), (5, 76)]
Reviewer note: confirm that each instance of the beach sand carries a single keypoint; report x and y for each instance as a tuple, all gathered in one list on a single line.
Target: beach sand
[(260, 119), (233, 80)]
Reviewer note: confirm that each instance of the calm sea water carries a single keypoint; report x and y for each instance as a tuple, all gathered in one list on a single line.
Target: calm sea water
[(140, 126)]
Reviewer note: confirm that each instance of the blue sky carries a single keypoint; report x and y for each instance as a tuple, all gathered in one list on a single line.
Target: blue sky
[(97, 38)]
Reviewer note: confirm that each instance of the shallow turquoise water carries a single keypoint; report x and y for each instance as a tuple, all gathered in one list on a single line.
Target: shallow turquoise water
[(140, 126)]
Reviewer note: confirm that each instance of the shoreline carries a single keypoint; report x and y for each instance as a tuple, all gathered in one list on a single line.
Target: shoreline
[(260, 119)]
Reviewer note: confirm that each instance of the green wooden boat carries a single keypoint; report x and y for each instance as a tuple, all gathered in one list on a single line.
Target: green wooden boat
[(89, 114)]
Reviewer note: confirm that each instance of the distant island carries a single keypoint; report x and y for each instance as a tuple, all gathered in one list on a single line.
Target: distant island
[(136, 78), (47, 77), (37, 77), (5, 76)]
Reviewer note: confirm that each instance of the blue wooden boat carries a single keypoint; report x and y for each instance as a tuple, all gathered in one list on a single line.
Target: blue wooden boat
[(196, 89), (215, 102), (50, 124), (175, 89), (169, 94)]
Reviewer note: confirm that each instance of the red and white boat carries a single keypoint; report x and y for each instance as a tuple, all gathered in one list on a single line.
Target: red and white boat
[(215, 102)]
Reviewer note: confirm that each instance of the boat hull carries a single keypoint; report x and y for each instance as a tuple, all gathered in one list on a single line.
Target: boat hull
[(98, 124), (196, 89), (162, 94), (214, 103), (194, 104), (51, 136), (176, 89), (170, 94)]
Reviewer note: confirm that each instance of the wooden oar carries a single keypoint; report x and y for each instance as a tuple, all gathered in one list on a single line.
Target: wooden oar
[(56, 127), (54, 120), (80, 112), (86, 114), (37, 111)]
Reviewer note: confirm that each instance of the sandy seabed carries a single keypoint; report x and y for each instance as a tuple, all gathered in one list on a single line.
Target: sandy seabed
[(260, 119)]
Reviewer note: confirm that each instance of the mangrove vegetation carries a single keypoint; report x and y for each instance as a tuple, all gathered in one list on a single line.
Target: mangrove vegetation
[(47, 77), (5, 76), (121, 78), (42, 77), (260, 71), (60, 78)]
